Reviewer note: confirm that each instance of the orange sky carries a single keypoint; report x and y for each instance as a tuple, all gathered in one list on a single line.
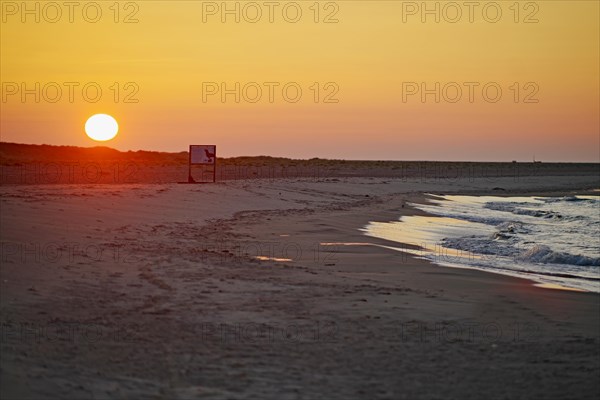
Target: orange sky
[(167, 52)]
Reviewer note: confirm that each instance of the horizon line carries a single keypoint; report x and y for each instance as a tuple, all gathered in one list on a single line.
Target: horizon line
[(100, 146)]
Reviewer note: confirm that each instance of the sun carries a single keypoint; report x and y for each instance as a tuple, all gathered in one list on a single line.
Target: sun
[(101, 127)]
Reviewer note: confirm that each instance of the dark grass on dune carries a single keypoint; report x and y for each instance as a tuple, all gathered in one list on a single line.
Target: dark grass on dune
[(31, 164)]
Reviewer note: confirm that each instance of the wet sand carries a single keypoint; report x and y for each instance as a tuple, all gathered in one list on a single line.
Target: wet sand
[(242, 290)]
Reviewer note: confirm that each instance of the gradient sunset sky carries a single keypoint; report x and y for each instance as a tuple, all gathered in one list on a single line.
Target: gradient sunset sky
[(369, 54)]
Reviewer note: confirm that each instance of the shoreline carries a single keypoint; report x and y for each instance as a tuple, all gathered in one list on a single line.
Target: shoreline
[(416, 250), (377, 245)]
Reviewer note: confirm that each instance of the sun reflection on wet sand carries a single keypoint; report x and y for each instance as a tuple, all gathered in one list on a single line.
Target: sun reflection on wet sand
[(554, 286), (265, 258)]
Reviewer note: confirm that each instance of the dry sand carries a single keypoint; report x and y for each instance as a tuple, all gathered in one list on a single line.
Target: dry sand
[(155, 291)]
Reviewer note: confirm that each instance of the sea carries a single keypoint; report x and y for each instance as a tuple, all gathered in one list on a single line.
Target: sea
[(554, 241)]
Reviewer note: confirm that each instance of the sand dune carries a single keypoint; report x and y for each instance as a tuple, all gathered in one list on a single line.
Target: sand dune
[(43, 164)]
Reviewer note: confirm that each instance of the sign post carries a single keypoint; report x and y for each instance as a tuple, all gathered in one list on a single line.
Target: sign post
[(202, 155)]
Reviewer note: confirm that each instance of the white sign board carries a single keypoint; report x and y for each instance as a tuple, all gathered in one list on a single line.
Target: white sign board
[(203, 154)]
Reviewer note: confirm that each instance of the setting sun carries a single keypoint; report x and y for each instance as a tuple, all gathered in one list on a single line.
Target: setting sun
[(101, 127)]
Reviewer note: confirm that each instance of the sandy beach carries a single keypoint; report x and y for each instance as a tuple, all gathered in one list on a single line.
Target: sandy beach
[(268, 288)]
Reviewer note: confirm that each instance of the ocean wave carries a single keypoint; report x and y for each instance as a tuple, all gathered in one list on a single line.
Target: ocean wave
[(507, 247), (481, 245), (517, 208), (566, 198), (511, 228), (480, 219), (545, 255)]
